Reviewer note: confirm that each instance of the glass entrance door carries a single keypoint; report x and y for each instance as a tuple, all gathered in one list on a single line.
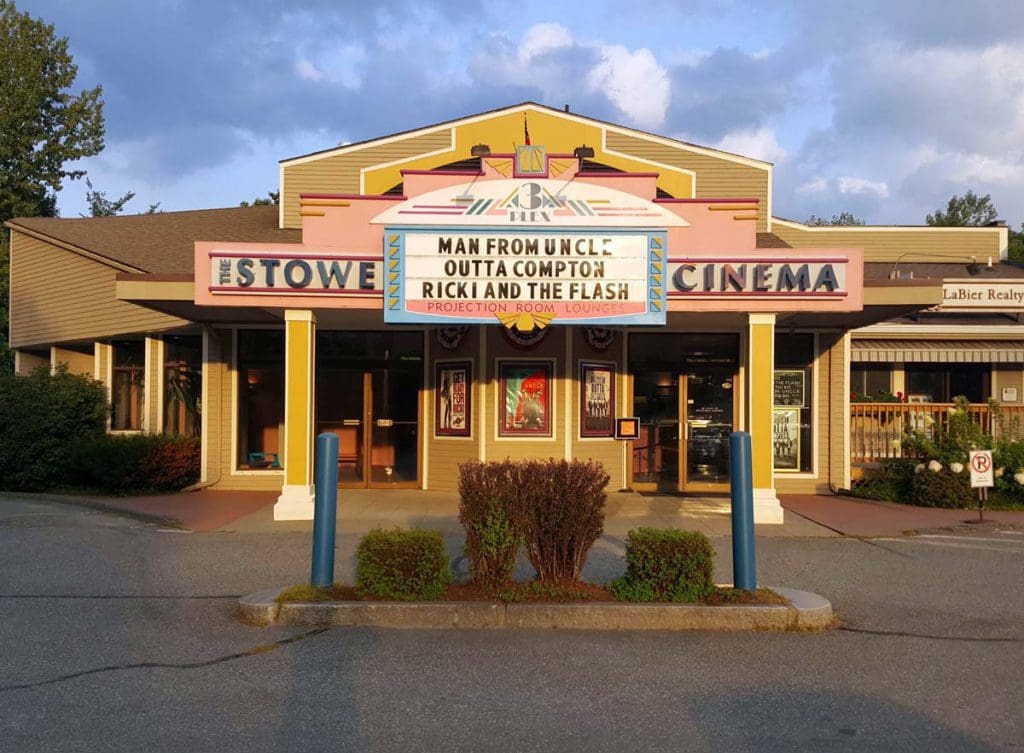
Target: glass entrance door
[(708, 406), (656, 451), (368, 393)]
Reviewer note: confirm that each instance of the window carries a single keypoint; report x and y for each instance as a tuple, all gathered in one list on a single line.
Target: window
[(128, 385), (870, 379), (183, 385), (793, 433), (260, 399), (940, 384)]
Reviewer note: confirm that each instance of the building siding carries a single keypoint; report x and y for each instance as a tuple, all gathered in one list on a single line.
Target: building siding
[(60, 296)]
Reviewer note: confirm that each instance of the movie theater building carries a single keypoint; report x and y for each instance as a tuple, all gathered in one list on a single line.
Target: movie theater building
[(522, 283)]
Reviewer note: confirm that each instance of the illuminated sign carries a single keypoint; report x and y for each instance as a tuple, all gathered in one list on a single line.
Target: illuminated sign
[(748, 276), (460, 275), (271, 273)]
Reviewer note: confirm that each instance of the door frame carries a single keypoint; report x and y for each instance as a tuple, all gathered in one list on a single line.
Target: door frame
[(685, 485)]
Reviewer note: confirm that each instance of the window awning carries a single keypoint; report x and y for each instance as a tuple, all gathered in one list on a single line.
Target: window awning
[(937, 351)]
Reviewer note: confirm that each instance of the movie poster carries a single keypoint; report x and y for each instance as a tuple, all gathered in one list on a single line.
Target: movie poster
[(526, 409), (597, 399), (786, 438), (454, 380)]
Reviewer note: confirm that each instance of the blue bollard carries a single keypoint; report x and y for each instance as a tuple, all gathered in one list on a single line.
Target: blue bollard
[(744, 565), (325, 510)]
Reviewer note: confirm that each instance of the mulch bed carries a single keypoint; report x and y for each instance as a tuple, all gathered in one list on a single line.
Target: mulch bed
[(531, 592)]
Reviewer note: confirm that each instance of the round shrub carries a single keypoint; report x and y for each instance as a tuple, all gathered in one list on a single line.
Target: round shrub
[(666, 564), (942, 488), (403, 565)]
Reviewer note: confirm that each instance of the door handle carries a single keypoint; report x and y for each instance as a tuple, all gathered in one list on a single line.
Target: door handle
[(384, 423), (350, 422)]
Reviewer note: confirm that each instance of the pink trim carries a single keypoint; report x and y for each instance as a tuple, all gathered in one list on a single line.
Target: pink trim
[(298, 291), (706, 201), (757, 260), (272, 255), (477, 173), (752, 294), (350, 196)]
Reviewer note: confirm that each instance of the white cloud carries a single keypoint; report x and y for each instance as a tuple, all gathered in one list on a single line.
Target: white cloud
[(333, 64), (759, 143), (305, 69), (543, 38), (813, 186), (634, 82), (849, 185)]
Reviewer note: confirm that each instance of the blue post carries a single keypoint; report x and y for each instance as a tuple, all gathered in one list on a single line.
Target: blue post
[(744, 566), (325, 510)]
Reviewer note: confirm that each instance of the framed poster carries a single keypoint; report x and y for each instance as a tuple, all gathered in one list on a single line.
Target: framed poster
[(786, 438), (789, 387), (597, 399), (524, 398), (452, 387)]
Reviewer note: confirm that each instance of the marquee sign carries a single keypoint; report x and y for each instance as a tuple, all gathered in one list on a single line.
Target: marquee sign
[(461, 276)]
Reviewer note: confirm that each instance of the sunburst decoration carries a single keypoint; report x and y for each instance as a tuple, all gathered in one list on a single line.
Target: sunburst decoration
[(450, 337), (526, 321)]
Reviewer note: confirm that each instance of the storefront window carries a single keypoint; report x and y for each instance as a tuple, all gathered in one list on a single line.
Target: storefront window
[(942, 383), (260, 399), (870, 380), (183, 385), (792, 430), (128, 385)]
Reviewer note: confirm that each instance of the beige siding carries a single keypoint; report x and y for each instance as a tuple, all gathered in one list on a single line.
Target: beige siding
[(76, 361), (896, 244), (1010, 376), (59, 296), (340, 173), (716, 177), (444, 454), (28, 362)]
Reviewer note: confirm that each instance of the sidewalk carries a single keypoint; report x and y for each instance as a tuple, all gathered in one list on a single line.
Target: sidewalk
[(868, 518)]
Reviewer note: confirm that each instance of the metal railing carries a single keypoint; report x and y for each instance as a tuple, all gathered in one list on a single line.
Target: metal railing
[(877, 430)]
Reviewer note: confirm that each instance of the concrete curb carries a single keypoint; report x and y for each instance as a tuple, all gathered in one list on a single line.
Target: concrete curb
[(805, 611)]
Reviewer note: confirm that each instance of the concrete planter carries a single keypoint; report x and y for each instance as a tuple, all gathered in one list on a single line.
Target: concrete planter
[(805, 611)]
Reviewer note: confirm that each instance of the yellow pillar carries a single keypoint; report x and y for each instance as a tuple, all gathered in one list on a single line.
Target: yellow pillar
[(296, 500), (760, 396)]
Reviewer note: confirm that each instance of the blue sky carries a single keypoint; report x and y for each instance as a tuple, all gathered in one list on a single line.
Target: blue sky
[(881, 108)]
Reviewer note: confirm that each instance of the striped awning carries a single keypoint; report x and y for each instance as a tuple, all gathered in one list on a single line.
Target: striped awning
[(937, 351)]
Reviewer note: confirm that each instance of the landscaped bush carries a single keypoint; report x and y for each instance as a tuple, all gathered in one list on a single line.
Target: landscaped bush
[(666, 564), (934, 486), (891, 482), (488, 494), (41, 418), (560, 514), (403, 565), (124, 464)]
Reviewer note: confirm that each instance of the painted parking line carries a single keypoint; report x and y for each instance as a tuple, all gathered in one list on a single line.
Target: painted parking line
[(1018, 549), (968, 538)]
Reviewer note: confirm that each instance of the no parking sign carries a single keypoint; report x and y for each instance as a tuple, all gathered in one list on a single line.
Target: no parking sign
[(981, 469)]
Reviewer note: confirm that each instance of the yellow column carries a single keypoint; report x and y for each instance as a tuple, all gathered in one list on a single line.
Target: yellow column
[(760, 396), (296, 500)]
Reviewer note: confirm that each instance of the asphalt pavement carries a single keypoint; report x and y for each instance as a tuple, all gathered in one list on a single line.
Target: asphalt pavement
[(118, 635)]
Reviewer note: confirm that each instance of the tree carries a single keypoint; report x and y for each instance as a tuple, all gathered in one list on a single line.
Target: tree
[(273, 198), (843, 218), (969, 210), (1015, 247), (43, 127), (101, 206)]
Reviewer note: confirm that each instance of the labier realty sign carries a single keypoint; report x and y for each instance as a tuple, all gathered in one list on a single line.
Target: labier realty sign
[(982, 295), (465, 275)]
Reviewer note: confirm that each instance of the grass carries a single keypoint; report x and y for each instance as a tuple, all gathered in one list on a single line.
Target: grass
[(307, 593)]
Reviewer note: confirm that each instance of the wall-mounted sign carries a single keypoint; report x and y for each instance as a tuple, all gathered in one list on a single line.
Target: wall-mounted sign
[(627, 428), (461, 275), (738, 277), (982, 295), (272, 273), (453, 387)]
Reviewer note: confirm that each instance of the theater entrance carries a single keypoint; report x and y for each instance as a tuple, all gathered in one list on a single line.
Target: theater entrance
[(368, 387), (684, 393)]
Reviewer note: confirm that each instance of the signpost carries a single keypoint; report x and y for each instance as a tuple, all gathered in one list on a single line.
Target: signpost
[(982, 477)]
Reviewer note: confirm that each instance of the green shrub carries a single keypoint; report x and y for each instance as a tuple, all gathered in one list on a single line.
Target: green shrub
[(487, 509), (941, 488), (666, 564), (891, 482), (560, 514), (403, 565), (41, 417), (125, 464), (1008, 458)]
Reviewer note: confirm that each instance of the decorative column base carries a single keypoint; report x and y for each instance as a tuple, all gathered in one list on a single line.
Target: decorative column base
[(295, 503), (767, 508)]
